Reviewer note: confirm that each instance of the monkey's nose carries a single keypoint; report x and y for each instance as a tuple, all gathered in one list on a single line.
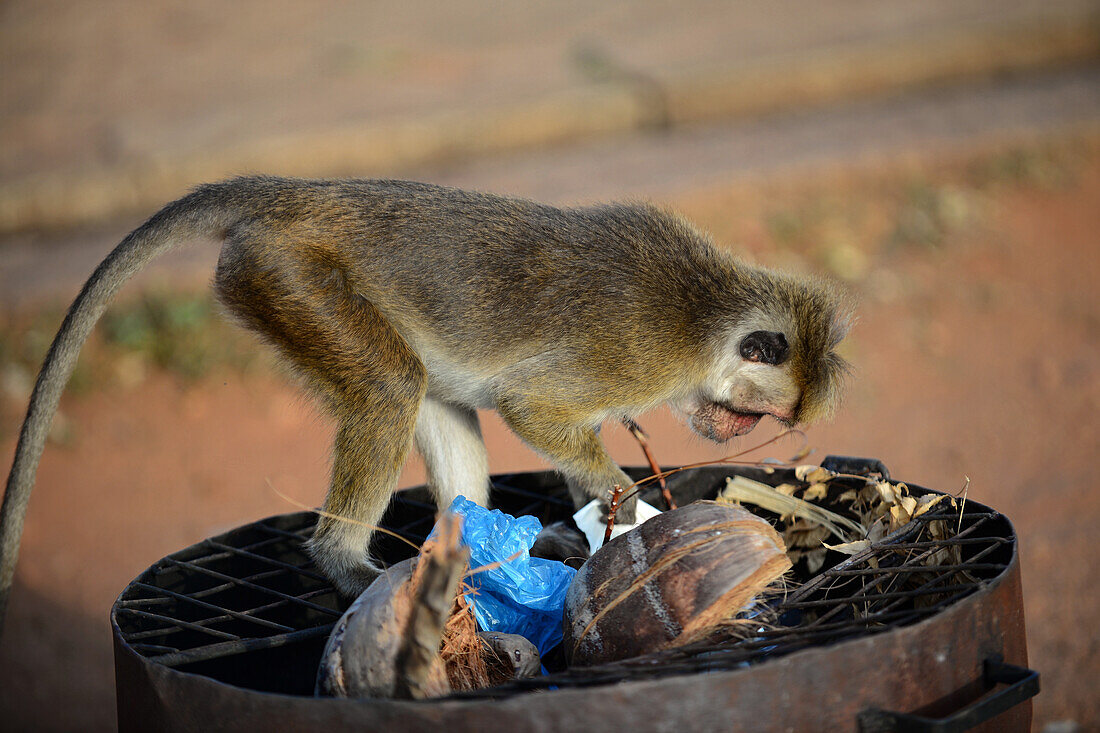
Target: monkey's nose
[(768, 347)]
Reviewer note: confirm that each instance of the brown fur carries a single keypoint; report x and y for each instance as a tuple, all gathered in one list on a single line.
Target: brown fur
[(382, 293)]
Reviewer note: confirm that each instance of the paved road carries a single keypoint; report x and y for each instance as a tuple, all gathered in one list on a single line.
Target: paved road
[(37, 267), (113, 82), (113, 107)]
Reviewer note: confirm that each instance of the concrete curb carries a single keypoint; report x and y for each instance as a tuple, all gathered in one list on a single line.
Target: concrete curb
[(632, 102)]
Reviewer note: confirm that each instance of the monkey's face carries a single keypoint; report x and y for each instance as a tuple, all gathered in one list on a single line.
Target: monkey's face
[(751, 378), (767, 367)]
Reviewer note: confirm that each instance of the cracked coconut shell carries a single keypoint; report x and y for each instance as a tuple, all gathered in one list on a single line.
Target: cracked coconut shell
[(669, 582)]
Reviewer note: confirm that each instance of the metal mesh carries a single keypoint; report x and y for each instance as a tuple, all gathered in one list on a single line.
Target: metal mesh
[(255, 588)]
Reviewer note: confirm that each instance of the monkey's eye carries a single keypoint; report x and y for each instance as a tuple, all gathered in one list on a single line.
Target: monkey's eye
[(768, 347)]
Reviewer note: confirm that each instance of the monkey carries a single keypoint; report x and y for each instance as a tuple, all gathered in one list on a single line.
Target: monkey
[(405, 307)]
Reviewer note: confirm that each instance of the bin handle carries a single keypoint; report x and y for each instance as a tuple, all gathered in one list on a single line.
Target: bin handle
[(856, 466), (1023, 684)]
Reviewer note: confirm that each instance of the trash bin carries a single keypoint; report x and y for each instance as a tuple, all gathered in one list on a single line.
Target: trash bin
[(227, 635)]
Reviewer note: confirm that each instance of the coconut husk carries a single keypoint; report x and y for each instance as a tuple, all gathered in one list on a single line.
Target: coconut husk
[(674, 580), (466, 656), (412, 634), (387, 644)]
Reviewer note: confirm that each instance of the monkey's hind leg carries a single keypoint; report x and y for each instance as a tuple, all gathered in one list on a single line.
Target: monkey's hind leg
[(370, 379), (449, 439)]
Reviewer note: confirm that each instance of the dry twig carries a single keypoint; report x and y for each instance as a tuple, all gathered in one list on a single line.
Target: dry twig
[(643, 440), (616, 502), (730, 460)]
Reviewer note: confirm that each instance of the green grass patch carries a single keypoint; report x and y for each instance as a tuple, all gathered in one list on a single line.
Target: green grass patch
[(180, 333)]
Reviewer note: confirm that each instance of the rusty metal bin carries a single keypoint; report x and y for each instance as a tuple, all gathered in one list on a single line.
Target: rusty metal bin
[(227, 635)]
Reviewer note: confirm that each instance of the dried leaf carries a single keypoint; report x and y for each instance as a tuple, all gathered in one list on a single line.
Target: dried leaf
[(946, 555), (850, 496), (877, 512), (739, 488), (877, 531), (898, 517), (806, 534), (812, 474), (814, 560), (850, 548), (909, 504), (886, 491), (787, 489), (815, 492), (926, 502)]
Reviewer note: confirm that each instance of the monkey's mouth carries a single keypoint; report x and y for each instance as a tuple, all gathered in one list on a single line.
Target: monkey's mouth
[(720, 422)]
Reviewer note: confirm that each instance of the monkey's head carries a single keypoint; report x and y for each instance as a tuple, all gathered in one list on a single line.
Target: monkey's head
[(774, 357)]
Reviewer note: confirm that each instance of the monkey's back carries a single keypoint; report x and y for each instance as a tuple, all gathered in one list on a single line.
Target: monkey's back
[(457, 260), (455, 269)]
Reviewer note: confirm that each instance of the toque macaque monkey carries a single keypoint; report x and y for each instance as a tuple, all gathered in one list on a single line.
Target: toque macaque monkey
[(407, 306)]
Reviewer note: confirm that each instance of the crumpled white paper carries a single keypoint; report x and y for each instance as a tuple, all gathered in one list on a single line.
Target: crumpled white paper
[(590, 522)]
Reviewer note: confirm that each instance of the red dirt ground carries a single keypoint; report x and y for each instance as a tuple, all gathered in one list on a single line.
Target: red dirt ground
[(977, 357)]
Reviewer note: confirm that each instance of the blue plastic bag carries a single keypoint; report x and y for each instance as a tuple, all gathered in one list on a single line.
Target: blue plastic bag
[(524, 595)]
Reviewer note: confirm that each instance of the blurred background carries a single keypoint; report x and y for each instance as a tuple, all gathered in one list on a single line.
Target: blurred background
[(941, 159)]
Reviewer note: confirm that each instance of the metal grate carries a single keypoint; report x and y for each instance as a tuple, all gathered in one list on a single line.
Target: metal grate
[(255, 589), (251, 589)]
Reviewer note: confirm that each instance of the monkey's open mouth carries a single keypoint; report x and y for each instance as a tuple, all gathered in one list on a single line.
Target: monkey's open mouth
[(720, 422)]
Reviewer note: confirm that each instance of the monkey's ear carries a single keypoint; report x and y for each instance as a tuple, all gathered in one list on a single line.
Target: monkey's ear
[(767, 347)]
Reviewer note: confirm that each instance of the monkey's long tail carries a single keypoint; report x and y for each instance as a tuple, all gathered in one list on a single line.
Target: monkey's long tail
[(195, 215)]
